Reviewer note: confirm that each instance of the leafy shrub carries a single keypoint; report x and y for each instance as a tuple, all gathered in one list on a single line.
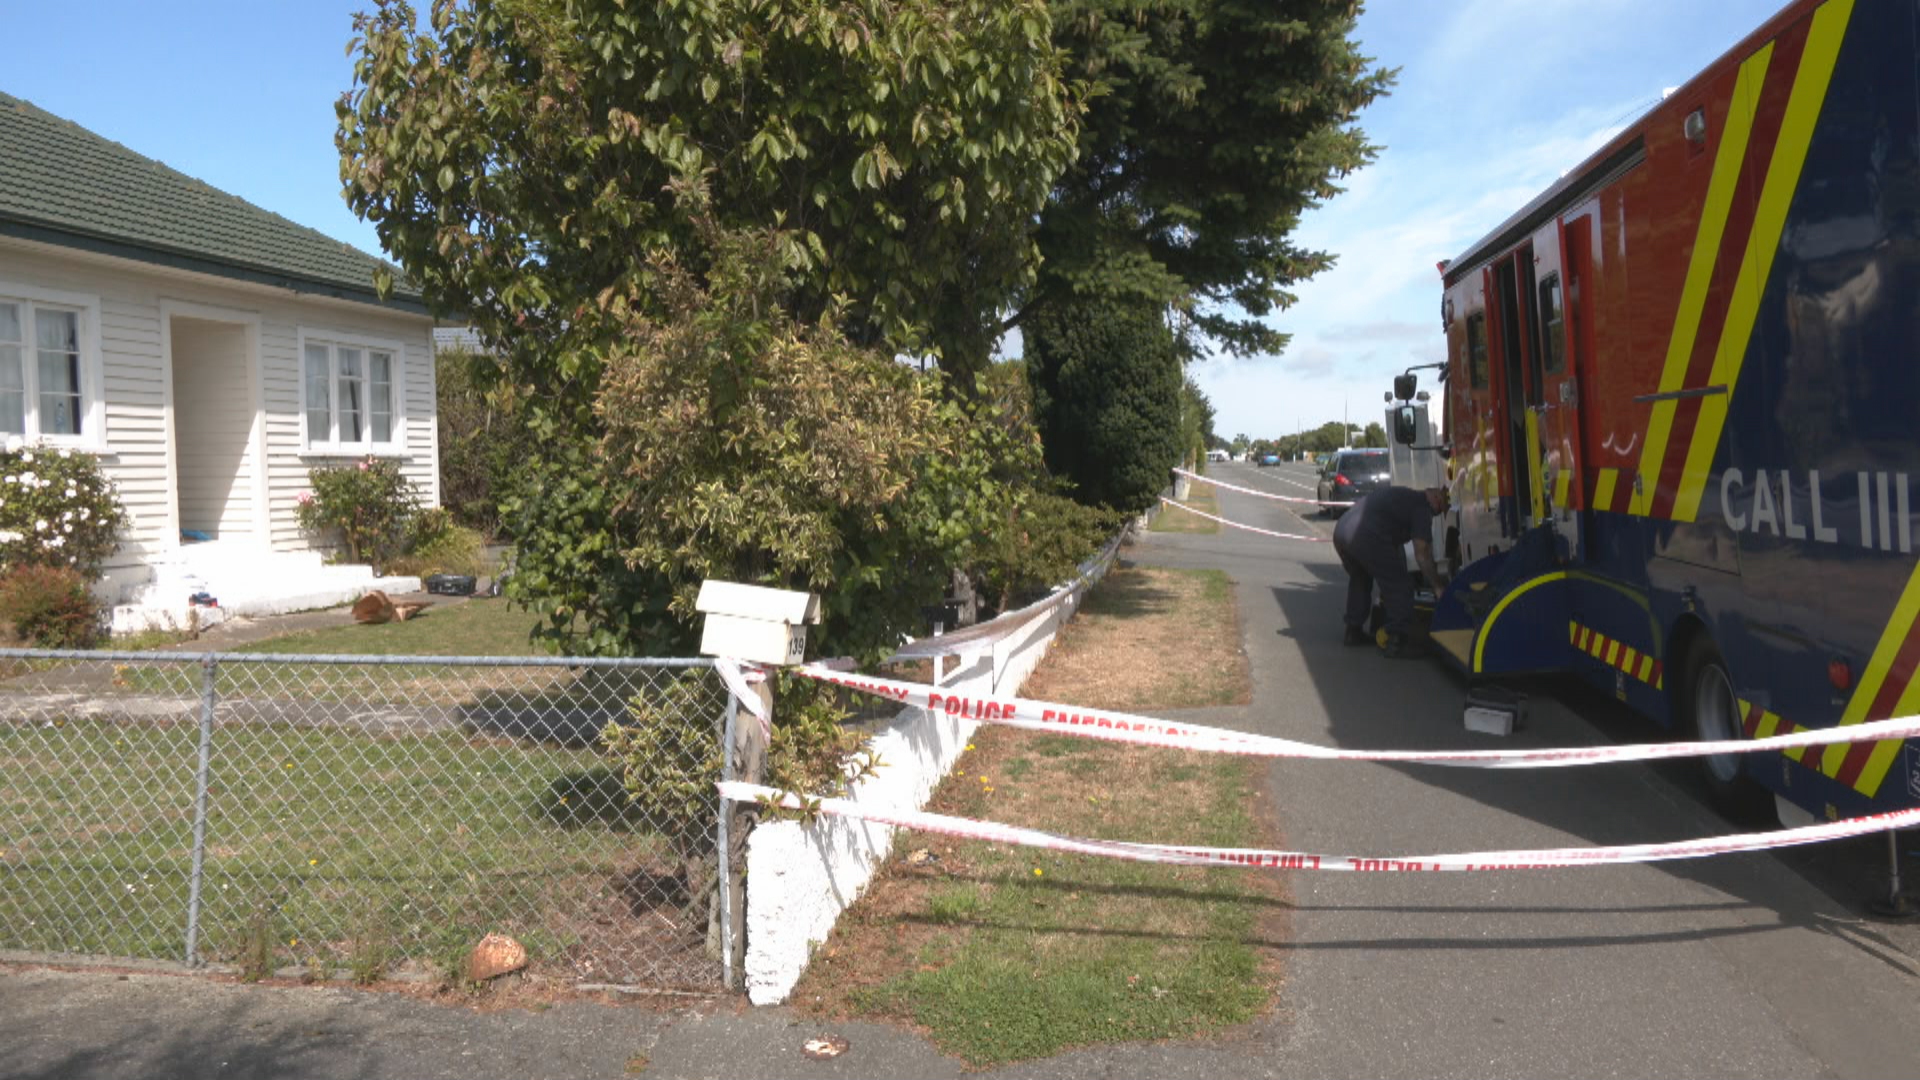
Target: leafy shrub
[(479, 440), (370, 503), (438, 544), (57, 508), (670, 759), (1046, 543), (49, 606), (813, 753)]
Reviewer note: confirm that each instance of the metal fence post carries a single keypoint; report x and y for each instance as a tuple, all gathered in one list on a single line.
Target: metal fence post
[(209, 666), (725, 861)]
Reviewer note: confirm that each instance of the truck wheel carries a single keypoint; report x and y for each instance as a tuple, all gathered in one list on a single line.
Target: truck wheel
[(1711, 713)]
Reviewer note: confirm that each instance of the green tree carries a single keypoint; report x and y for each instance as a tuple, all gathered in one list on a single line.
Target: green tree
[(1375, 435), (1211, 127), (743, 445), (515, 157), (1240, 444), (1196, 422), (479, 440), (1106, 386), (740, 443)]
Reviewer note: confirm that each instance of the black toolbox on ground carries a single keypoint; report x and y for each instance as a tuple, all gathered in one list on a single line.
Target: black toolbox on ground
[(451, 584)]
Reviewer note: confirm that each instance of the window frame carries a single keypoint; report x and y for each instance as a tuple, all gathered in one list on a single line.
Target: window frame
[(328, 445), (1553, 324), (93, 412), (1479, 364)]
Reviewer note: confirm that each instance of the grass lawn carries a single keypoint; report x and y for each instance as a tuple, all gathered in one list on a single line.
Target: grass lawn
[(483, 627), (1172, 519), (329, 848), (1005, 953), (359, 815), (488, 627)]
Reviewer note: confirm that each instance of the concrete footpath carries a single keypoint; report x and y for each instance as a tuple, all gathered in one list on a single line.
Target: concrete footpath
[(1740, 965)]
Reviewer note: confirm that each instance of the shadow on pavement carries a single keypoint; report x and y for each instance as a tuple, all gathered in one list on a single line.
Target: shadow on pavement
[(1373, 702)]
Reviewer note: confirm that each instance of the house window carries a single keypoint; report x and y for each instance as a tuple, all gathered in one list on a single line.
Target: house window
[(351, 395), (43, 380)]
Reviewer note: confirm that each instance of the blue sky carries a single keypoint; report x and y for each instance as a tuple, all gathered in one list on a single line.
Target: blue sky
[(1496, 99)]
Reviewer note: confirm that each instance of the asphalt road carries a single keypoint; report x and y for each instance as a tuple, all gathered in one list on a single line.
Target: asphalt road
[(1739, 965)]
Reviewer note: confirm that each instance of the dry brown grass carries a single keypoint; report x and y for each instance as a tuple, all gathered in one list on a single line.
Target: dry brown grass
[(1003, 953), (1149, 638)]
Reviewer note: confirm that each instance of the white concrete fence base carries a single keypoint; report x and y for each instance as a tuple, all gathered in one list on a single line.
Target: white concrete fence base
[(801, 877)]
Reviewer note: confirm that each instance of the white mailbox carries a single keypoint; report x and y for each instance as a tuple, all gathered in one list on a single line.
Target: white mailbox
[(751, 622)]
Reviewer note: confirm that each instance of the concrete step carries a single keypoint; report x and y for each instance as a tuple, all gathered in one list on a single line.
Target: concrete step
[(245, 580)]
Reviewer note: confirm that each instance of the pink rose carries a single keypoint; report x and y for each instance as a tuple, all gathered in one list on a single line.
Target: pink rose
[(305, 498)]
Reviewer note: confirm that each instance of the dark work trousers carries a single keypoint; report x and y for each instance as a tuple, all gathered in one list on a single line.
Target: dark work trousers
[(1369, 560)]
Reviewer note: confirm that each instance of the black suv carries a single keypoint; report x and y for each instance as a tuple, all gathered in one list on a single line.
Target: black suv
[(1349, 474)]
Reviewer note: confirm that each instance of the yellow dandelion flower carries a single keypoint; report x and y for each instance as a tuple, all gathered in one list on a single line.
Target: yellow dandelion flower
[(313, 862), (1037, 872)]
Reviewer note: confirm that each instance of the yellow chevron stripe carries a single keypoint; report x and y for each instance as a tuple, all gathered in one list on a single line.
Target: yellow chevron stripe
[(1899, 625), (1480, 642), (1887, 750), (1627, 656), (1613, 654), (1603, 489), (1763, 242), (1721, 188), (1573, 633), (1769, 726), (1646, 669), (1797, 753)]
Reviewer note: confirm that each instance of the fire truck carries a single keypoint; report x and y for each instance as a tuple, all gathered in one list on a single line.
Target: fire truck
[(1680, 409)]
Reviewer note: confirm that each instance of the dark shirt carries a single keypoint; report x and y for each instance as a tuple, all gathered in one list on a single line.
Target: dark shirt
[(1391, 517)]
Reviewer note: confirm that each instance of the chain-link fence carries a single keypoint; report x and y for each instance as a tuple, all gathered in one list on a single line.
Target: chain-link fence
[(359, 816)]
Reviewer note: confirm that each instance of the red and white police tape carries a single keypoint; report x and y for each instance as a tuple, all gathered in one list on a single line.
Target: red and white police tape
[(1538, 859), (1249, 528), (1255, 491), (1146, 731)]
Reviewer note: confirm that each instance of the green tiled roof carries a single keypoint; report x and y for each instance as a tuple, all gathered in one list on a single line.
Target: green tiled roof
[(62, 184)]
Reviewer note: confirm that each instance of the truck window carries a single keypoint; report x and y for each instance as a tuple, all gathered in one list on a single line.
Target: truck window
[(1477, 350), (1553, 323)]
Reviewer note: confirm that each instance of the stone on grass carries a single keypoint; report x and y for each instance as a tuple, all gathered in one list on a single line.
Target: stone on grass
[(496, 955)]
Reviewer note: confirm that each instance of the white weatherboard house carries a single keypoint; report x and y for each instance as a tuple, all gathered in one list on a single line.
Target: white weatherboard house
[(211, 354)]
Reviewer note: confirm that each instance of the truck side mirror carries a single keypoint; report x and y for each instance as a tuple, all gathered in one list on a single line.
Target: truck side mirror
[(1403, 386), (1404, 427)]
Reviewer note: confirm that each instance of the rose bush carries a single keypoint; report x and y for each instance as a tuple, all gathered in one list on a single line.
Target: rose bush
[(57, 508), (370, 503)]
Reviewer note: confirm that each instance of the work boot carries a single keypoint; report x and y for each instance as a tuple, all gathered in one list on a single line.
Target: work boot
[(1402, 647), (1355, 636)]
